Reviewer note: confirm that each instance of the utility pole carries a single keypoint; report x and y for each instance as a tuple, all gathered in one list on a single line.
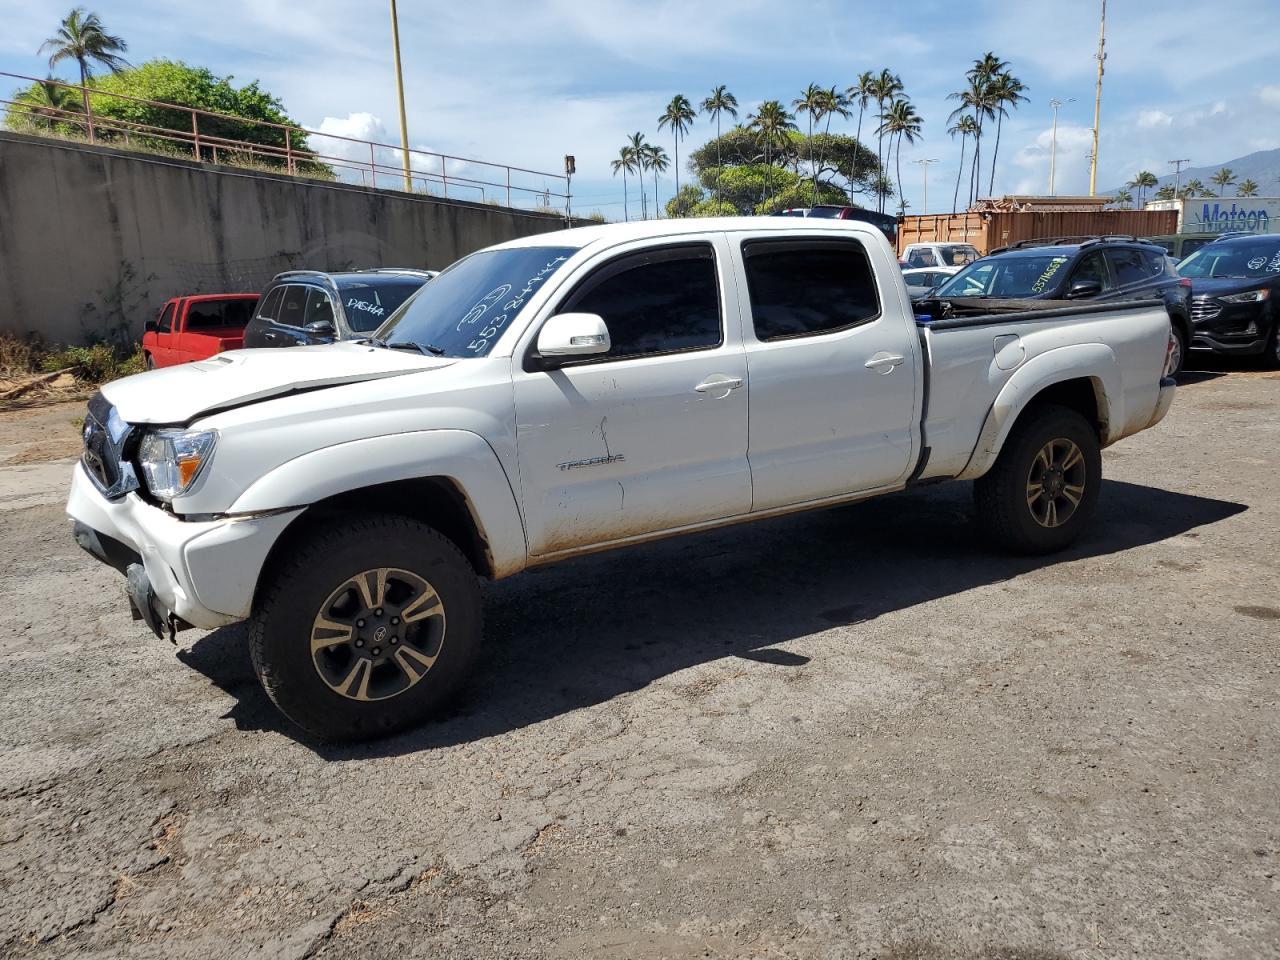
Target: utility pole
[(1097, 100), (924, 168), (404, 124), (1055, 103), (1177, 176)]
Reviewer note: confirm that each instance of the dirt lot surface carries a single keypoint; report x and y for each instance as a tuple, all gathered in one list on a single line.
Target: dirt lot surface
[(856, 733)]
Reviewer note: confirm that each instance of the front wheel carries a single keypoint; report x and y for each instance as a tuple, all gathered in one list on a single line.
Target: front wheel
[(1271, 355), (1179, 358), (367, 628), (1044, 486)]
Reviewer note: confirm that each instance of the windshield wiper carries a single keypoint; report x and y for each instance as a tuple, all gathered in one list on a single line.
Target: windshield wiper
[(426, 349)]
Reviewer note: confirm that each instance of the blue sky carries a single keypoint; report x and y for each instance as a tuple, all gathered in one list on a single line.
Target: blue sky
[(527, 82)]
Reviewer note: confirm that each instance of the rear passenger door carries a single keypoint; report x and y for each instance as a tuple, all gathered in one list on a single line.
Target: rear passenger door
[(260, 331), (1139, 275), (833, 361), (291, 317)]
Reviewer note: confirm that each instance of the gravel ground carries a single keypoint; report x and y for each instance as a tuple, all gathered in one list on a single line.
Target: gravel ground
[(856, 733)]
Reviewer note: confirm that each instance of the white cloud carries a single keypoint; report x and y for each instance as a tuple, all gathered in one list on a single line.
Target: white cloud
[(1270, 95), (1148, 119)]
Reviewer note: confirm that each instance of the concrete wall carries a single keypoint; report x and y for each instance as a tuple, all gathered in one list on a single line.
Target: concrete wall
[(93, 240)]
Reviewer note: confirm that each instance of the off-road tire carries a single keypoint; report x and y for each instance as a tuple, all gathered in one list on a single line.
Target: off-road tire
[(296, 589), (1001, 496)]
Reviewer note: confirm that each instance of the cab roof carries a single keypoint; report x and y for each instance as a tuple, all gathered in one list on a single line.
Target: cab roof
[(608, 234)]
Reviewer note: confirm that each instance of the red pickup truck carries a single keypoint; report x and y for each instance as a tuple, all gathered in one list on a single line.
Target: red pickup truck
[(195, 328)]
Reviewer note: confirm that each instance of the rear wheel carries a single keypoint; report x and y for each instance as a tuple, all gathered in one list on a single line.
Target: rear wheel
[(1044, 486), (367, 628), (1179, 351)]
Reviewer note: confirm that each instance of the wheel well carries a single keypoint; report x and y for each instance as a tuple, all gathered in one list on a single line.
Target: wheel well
[(1080, 395), (436, 501)]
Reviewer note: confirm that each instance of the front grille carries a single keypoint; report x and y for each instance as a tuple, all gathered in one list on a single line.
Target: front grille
[(105, 437), (1204, 308)]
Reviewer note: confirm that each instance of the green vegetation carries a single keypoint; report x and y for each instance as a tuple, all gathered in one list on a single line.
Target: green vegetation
[(990, 92), (21, 357)]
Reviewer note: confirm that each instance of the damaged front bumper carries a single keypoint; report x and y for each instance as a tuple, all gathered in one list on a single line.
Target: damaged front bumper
[(178, 572)]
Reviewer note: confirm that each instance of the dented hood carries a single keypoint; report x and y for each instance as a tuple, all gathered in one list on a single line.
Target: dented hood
[(178, 394)]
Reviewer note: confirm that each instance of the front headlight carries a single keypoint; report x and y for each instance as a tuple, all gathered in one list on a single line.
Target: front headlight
[(1251, 296), (171, 459)]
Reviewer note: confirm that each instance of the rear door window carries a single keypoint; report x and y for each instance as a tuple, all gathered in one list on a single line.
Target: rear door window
[(269, 305), (802, 288), (1092, 267), (1131, 267), (293, 306)]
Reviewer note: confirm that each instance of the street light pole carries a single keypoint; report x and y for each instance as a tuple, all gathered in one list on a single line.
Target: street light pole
[(924, 169), (1055, 103), (1177, 175), (404, 125), (1097, 101)]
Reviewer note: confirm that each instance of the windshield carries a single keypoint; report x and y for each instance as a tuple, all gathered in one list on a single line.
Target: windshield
[(1011, 277), (368, 303), (958, 255), (1255, 259), (462, 312)]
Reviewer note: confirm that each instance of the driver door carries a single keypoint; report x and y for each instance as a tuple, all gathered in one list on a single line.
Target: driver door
[(651, 435)]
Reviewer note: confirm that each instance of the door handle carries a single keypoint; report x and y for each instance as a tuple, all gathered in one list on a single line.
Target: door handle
[(884, 363), (717, 382)]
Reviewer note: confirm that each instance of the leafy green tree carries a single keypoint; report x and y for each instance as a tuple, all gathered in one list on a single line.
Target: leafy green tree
[(1165, 192), (816, 103), (1193, 188), (720, 102), (862, 93), (1141, 181), (1123, 198), (679, 116), (1223, 179), (772, 123), (82, 38), (1247, 188), (42, 106), (639, 164)]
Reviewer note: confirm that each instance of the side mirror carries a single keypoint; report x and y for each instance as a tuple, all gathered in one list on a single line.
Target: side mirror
[(574, 335), (319, 328), (1084, 289), (151, 326)]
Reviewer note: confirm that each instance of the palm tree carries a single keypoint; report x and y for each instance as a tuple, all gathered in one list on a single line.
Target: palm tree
[(982, 75), (976, 97), (885, 88), (1165, 192), (636, 144), (1006, 91), (1223, 179), (50, 101), (835, 103), (656, 159), (1247, 188), (626, 163), (81, 38), (862, 93), (903, 122), (772, 122), (1123, 198), (720, 101), (1193, 188), (967, 127), (814, 103), (678, 116), (1141, 181)]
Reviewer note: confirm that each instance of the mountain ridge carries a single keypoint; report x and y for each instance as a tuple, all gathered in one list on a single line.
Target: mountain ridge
[(1261, 166)]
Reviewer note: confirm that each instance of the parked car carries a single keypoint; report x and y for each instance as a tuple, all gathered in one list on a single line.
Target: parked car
[(1182, 245), (1076, 268), (310, 306), (197, 327), (1235, 284), (920, 283), (566, 393), (938, 255), (887, 224)]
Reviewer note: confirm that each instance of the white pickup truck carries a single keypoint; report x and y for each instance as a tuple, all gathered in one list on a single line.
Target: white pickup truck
[(572, 392)]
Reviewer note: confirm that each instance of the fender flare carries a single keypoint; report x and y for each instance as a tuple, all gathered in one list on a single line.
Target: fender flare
[(1095, 362), (457, 455)]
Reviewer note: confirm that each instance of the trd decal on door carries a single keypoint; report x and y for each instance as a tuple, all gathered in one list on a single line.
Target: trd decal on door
[(593, 462)]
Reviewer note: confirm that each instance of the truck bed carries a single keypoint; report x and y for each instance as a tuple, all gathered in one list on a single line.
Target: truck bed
[(973, 356)]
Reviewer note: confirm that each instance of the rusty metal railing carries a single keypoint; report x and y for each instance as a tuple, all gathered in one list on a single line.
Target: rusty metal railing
[(295, 153)]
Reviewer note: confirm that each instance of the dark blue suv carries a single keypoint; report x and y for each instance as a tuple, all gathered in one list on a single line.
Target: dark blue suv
[(309, 306), (1077, 268), (1235, 284)]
